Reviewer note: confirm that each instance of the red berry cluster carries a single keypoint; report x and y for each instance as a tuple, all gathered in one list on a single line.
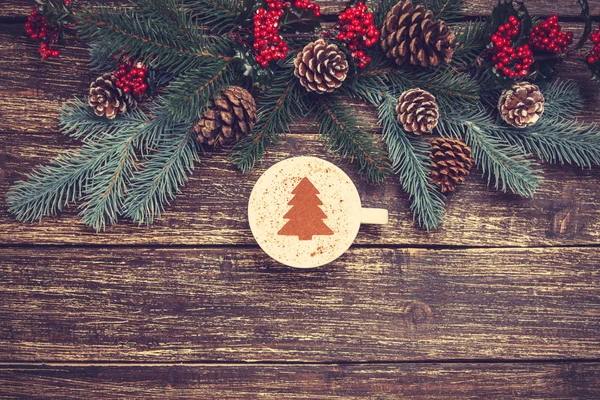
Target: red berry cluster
[(548, 37), (268, 43), (308, 5), (358, 31), (132, 78), (38, 28), (511, 62), (594, 56)]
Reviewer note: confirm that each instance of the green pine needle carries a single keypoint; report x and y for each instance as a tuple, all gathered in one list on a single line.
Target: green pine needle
[(105, 191), (162, 175), (189, 95), (340, 127), (161, 45), (505, 165), (277, 108), (410, 161)]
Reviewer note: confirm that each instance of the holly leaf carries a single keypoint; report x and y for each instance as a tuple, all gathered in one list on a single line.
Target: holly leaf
[(586, 17), (296, 21), (526, 24), (245, 18), (500, 15), (544, 71), (261, 77), (595, 69)]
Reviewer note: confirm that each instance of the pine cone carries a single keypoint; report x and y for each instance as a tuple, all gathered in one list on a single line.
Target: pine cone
[(230, 118), (522, 106), (451, 162), (107, 99), (417, 111), (321, 67), (409, 34)]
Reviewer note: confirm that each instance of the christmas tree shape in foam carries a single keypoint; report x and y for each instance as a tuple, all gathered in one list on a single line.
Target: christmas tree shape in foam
[(305, 216)]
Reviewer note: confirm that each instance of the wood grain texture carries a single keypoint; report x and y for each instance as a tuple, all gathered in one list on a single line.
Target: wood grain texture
[(377, 381), (212, 208), (473, 8), (173, 305)]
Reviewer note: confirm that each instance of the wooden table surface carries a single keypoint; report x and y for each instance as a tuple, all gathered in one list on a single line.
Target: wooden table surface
[(503, 301)]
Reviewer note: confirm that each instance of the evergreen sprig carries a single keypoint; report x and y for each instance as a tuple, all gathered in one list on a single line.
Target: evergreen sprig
[(161, 45), (505, 165), (220, 15), (340, 127), (277, 108), (161, 175), (447, 10), (189, 95), (410, 161)]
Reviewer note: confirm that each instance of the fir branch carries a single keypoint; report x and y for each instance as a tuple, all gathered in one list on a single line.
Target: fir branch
[(446, 84), (470, 42), (162, 175), (562, 99), (117, 28), (339, 126), (411, 163), (188, 95), (219, 15), (558, 141), (101, 60), (78, 120), (50, 188), (277, 109), (106, 190), (447, 10), (504, 164)]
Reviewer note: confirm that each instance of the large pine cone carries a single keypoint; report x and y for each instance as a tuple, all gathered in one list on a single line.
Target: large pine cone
[(107, 99), (230, 118), (409, 34), (321, 67), (522, 106), (451, 162), (417, 111)]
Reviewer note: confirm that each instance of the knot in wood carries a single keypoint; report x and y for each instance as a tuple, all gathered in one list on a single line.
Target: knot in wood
[(417, 312)]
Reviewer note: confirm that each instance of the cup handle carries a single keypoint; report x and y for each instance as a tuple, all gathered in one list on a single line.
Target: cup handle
[(373, 216)]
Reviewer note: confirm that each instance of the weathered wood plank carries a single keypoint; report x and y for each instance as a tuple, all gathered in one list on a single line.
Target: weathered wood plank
[(33, 89), (378, 381), (142, 304), (212, 207), (473, 8)]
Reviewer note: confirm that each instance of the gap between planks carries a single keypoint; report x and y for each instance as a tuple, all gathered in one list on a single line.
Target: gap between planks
[(208, 363)]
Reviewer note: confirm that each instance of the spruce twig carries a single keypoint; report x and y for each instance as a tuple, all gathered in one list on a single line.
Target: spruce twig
[(505, 165), (277, 109), (340, 127), (162, 175), (410, 161)]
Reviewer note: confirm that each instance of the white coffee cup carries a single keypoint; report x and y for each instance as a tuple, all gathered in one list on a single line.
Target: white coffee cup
[(305, 212)]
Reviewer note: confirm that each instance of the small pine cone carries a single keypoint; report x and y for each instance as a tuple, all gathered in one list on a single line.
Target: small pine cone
[(522, 106), (321, 67), (230, 118), (107, 99), (417, 111), (409, 34), (451, 162)]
